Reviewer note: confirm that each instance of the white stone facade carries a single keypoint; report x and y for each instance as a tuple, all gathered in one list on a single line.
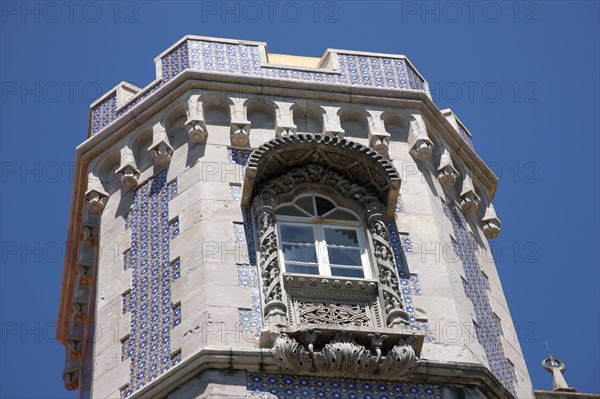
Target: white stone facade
[(179, 172)]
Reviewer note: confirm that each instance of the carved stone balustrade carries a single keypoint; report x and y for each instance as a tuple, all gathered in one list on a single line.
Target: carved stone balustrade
[(332, 301)]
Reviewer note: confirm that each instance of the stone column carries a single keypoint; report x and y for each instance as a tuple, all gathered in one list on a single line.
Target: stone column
[(274, 310), (387, 274)]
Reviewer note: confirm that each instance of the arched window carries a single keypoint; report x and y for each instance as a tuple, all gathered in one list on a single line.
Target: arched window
[(317, 237)]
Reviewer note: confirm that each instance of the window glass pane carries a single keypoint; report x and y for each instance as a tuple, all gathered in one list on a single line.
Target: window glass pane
[(299, 253), (344, 256), (306, 203), (290, 210), (341, 236), (353, 272), (300, 234), (323, 206), (339, 214), (304, 269)]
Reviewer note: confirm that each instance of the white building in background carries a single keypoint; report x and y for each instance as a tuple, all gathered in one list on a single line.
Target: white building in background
[(260, 225)]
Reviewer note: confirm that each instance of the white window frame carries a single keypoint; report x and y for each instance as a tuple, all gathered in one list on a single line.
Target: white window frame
[(319, 224)]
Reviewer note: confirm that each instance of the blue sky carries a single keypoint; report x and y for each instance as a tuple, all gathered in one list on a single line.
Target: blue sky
[(523, 77)]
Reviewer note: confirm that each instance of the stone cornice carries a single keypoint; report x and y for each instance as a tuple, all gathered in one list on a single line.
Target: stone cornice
[(261, 360)]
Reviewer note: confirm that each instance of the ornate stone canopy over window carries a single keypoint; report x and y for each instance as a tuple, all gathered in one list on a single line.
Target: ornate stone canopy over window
[(355, 162)]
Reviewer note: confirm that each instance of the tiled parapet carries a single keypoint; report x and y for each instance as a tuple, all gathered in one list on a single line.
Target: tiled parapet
[(337, 67)]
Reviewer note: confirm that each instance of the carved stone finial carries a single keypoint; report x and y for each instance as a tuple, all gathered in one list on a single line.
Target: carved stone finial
[(557, 368), (490, 223), (129, 175), (96, 200), (162, 152), (240, 133), (196, 130)]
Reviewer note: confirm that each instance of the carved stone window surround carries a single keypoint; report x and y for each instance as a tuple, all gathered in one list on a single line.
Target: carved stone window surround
[(282, 189)]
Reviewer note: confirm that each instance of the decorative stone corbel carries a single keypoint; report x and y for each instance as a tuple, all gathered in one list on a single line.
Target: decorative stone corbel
[(128, 172), (89, 236), (420, 145), (71, 374), (81, 299), (379, 139), (96, 200), (129, 175), (85, 273), (446, 173), (194, 124), (469, 200), (343, 356), (331, 123), (75, 341), (95, 197), (380, 142), (490, 223), (160, 149), (239, 131), (284, 122)]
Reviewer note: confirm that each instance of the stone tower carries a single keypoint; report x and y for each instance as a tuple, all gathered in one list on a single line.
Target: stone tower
[(261, 225)]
